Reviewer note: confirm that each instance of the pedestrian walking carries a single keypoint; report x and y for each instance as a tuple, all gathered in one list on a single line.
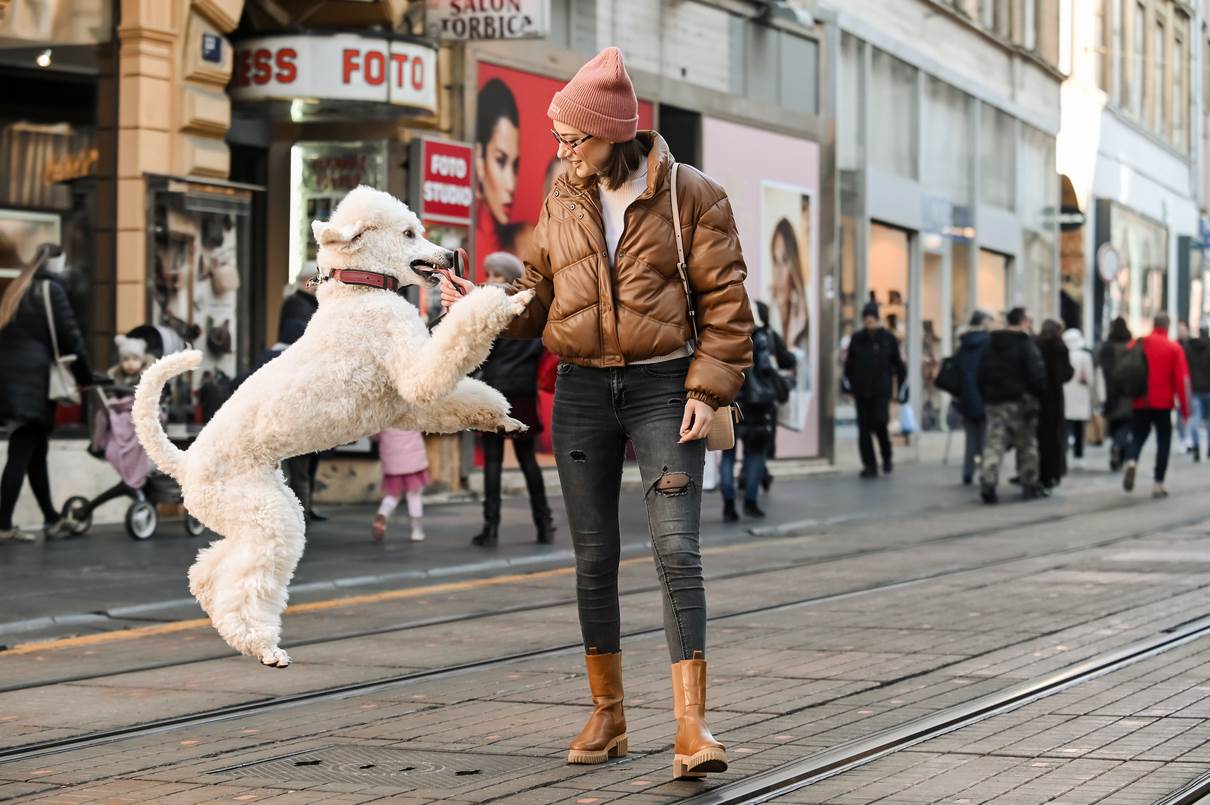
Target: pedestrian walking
[(1081, 393), (969, 400), (1118, 406), (1182, 340), (873, 367), (758, 398), (1052, 424), (613, 301), (1012, 379), (512, 369), (405, 474), (296, 312), (36, 326), (1167, 381), (1197, 354)]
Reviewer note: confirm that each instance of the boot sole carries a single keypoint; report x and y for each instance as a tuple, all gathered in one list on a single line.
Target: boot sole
[(618, 747), (712, 760), (1128, 478)]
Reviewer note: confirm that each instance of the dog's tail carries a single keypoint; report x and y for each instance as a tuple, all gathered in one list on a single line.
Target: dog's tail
[(167, 456)]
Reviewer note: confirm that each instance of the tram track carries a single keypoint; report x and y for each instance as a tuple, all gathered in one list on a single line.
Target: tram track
[(369, 687), (462, 617), (1196, 790)]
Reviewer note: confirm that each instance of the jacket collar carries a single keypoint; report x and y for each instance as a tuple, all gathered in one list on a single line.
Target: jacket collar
[(659, 163)]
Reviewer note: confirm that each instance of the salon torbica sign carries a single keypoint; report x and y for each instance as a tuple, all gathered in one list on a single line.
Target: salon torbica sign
[(487, 19), (336, 67), (443, 189)]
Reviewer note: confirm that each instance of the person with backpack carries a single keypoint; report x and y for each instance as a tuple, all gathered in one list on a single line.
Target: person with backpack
[(872, 367), (1117, 406), (1162, 378), (763, 390), (1197, 354), (1012, 379), (959, 377)]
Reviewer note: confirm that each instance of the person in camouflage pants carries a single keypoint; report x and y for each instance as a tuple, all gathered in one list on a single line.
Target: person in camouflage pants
[(1012, 424)]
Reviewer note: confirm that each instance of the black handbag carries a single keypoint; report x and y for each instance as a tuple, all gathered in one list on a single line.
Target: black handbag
[(949, 377)]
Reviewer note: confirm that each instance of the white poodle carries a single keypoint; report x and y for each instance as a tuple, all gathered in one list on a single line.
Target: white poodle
[(366, 362)]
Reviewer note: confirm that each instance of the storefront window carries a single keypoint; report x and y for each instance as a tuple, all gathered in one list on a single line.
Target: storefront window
[(993, 284), (887, 275), (997, 158), (948, 157), (960, 289), (849, 143), (1041, 276), (893, 111), (1137, 292)]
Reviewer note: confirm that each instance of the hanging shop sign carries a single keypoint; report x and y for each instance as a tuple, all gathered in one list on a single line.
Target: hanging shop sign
[(442, 189), (462, 20), (336, 67)]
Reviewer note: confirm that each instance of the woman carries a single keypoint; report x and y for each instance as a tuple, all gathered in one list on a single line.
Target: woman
[(497, 161), (1080, 393), (26, 410), (512, 370), (969, 401), (1052, 426), (789, 291), (1118, 406), (611, 304)]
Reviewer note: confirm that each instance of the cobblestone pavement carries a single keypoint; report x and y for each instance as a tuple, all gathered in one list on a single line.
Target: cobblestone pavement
[(816, 638)]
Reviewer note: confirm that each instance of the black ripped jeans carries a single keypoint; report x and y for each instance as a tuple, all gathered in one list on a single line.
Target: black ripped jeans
[(595, 412)]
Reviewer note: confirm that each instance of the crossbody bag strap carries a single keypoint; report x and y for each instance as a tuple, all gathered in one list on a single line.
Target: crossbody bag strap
[(50, 318), (681, 267)]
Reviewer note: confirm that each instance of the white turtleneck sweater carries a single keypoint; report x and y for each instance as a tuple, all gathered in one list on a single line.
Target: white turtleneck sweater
[(613, 207)]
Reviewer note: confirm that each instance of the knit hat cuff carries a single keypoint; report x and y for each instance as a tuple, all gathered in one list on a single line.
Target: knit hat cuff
[(615, 130)]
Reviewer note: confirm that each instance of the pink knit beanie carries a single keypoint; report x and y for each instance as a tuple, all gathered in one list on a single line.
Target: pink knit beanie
[(600, 100)]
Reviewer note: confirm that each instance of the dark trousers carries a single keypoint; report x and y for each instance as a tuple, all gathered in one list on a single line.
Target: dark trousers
[(493, 466), (1077, 428), (1142, 423), (976, 439), (28, 446), (872, 417), (595, 412)]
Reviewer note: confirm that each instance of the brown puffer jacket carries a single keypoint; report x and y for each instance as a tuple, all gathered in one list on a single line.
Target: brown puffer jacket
[(593, 315)]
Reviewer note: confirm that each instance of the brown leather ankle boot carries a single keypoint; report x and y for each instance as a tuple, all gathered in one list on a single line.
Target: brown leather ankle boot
[(697, 753), (604, 736)]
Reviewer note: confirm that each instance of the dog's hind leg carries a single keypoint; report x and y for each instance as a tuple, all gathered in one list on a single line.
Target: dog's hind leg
[(251, 573)]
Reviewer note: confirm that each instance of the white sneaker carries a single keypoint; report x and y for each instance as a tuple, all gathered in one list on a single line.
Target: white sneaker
[(17, 535), (1158, 491), (417, 532)]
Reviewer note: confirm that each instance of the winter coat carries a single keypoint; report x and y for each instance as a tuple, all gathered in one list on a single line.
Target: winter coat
[(1167, 375), (512, 367), (1052, 422), (1117, 405), (970, 352), (1011, 367), (26, 353), (592, 313), (872, 363), (401, 451), (300, 306), (1197, 354), (1080, 394)]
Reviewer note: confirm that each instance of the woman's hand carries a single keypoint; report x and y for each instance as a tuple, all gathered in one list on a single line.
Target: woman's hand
[(453, 288), (696, 422)]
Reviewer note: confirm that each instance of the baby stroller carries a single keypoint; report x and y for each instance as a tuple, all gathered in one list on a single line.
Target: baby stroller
[(114, 440)]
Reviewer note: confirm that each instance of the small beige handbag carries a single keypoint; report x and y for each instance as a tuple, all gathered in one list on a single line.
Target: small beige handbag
[(721, 435), (63, 388)]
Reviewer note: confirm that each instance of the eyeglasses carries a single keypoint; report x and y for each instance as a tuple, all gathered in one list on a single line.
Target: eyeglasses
[(572, 145)]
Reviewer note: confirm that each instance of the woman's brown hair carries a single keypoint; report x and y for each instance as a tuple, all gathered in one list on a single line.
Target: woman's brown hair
[(17, 289), (624, 160)]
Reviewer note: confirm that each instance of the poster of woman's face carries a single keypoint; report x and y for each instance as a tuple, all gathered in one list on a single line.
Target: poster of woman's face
[(786, 220)]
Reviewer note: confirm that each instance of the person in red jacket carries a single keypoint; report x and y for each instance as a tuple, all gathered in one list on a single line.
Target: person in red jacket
[(1167, 380)]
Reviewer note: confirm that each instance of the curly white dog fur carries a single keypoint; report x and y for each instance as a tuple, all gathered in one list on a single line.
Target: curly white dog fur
[(366, 362)]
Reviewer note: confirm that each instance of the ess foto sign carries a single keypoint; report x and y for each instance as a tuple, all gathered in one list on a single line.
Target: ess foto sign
[(340, 67)]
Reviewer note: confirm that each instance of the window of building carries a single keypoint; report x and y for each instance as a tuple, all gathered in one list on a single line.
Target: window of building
[(848, 145), (1100, 45), (1158, 42), (893, 107), (948, 139), (1138, 53), (1180, 84), (997, 158), (1029, 12)]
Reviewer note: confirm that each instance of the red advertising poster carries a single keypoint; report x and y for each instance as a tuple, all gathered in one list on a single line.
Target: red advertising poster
[(515, 165)]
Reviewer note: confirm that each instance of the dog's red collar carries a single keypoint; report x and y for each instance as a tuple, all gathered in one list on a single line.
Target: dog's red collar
[(372, 279)]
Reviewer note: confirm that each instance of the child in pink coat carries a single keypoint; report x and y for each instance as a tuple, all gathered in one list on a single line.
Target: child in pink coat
[(405, 473)]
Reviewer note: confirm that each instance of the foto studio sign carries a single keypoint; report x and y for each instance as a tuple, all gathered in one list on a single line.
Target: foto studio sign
[(463, 20)]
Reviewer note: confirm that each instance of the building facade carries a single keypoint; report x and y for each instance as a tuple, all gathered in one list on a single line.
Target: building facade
[(946, 169)]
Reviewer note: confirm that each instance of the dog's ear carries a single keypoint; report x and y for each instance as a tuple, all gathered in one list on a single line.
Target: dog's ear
[(328, 233)]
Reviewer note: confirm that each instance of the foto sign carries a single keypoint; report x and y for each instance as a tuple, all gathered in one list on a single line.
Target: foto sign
[(443, 185), (462, 20), (338, 67)]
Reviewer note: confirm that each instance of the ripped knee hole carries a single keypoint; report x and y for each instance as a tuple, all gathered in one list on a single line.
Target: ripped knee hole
[(672, 484)]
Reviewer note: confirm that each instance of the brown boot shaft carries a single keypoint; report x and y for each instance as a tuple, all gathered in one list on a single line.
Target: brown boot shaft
[(605, 733), (696, 749)]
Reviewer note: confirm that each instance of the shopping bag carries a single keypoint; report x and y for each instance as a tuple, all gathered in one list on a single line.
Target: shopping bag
[(1094, 433), (907, 419)]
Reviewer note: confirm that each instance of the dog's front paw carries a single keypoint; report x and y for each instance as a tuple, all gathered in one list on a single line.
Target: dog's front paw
[(274, 658), (519, 301), (510, 425)]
